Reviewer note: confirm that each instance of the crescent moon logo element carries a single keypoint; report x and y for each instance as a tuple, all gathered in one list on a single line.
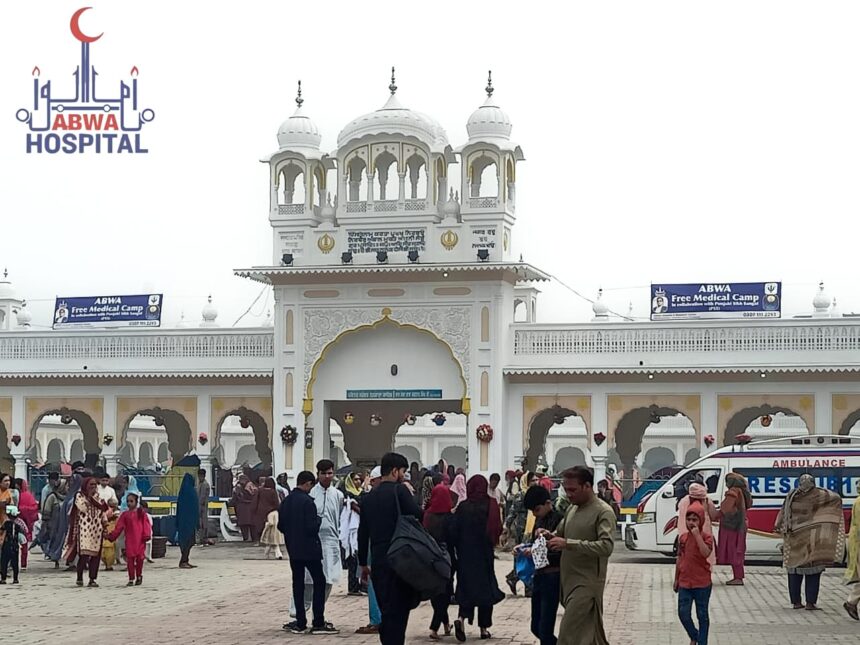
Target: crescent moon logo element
[(76, 29)]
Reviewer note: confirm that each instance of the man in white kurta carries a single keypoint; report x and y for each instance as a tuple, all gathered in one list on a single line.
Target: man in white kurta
[(329, 502)]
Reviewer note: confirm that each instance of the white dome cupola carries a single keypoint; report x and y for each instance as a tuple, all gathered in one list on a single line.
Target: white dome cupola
[(821, 303), (209, 313), (299, 131), (599, 308), (9, 302), (394, 119), (24, 317), (489, 121)]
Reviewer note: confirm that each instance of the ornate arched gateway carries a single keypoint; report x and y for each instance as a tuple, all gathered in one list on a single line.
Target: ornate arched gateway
[(370, 378)]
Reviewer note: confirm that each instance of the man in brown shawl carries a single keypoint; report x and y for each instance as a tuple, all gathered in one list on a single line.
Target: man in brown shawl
[(813, 529), (585, 538)]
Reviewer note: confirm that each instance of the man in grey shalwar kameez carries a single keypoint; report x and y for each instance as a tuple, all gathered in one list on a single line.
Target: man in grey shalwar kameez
[(329, 502)]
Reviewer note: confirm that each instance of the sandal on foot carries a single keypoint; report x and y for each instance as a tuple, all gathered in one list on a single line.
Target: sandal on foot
[(459, 632)]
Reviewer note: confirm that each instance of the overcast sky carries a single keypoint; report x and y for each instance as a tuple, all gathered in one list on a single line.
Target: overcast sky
[(664, 141)]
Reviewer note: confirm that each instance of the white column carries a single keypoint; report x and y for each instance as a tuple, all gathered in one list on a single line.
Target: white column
[(19, 429), (709, 422), (599, 424), (823, 412)]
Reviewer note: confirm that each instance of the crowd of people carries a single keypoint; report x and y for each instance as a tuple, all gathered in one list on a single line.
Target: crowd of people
[(561, 543), (87, 521), (361, 519)]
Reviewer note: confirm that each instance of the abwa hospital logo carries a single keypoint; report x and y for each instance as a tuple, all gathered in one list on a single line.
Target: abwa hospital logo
[(87, 121)]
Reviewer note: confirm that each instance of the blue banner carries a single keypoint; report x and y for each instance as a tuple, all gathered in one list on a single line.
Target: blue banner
[(394, 394), (716, 300), (108, 311)]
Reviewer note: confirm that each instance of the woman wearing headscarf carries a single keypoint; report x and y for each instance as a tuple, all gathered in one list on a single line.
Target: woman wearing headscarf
[(812, 525), (266, 511), (60, 528), (28, 511), (349, 521), (427, 489), (698, 493), (51, 517), (244, 494), (459, 487), (187, 516), (732, 545), (437, 521), (131, 487), (87, 521), (475, 531)]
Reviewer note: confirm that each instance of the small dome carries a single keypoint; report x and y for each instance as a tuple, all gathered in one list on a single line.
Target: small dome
[(821, 302), (269, 322), (24, 316), (835, 311), (7, 292), (452, 206), (182, 324), (328, 211), (210, 313), (393, 118), (600, 308), (489, 121), (299, 131)]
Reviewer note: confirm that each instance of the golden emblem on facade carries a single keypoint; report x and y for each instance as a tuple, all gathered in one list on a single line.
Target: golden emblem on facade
[(449, 240), (326, 243)]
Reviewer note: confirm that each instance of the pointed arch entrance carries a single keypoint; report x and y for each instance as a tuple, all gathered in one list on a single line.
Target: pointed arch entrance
[(85, 413), (175, 417), (568, 415), (254, 416), (735, 413), (370, 378)]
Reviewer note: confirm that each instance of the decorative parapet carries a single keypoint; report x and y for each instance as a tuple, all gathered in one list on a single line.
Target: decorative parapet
[(144, 344), (642, 338)]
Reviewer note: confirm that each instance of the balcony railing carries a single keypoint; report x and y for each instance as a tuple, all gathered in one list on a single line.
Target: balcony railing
[(137, 345), (356, 207), (483, 202), (291, 209), (786, 336)]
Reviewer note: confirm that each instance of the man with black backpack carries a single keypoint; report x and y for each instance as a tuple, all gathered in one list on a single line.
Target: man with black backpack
[(379, 519)]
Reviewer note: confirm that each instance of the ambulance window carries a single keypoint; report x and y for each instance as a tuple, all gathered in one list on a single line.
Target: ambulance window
[(710, 477)]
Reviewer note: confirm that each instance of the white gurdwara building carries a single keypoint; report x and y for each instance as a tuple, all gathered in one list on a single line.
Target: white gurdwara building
[(402, 319)]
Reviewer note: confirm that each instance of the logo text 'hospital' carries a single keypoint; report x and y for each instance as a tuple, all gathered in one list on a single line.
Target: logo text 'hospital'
[(87, 121)]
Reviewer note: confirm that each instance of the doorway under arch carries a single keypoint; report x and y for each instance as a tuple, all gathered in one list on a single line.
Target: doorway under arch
[(411, 453), (145, 457), (657, 458), (541, 425), (89, 447), (764, 421), (161, 422), (242, 427), (568, 457), (456, 456), (376, 375), (56, 452)]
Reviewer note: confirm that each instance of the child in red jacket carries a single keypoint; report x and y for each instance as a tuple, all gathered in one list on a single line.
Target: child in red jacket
[(138, 531), (693, 575)]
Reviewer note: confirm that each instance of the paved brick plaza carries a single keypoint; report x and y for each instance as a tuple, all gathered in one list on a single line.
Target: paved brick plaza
[(246, 597)]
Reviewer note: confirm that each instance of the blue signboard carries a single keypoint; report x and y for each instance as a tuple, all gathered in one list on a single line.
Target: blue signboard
[(716, 300), (394, 394), (108, 311)]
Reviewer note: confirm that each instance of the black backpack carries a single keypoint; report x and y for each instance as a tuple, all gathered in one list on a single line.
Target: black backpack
[(417, 558)]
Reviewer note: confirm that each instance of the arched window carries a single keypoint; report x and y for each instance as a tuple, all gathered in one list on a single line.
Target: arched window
[(145, 456), (163, 452), (410, 452), (126, 454), (293, 178), (417, 177), (356, 180), (56, 451), (386, 172), (484, 177), (76, 453), (568, 457)]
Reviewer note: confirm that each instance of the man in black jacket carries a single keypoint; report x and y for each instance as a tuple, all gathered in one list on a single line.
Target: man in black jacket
[(300, 524), (378, 520)]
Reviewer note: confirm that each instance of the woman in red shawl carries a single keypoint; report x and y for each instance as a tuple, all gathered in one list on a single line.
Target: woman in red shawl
[(437, 521), (243, 500), (87, 521), (475, 532), (28, 510)]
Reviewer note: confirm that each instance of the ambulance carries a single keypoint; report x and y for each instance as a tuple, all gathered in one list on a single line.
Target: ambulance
[(772, 467)]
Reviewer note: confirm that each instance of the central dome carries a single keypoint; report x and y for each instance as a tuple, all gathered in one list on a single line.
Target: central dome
[(393, 118)]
